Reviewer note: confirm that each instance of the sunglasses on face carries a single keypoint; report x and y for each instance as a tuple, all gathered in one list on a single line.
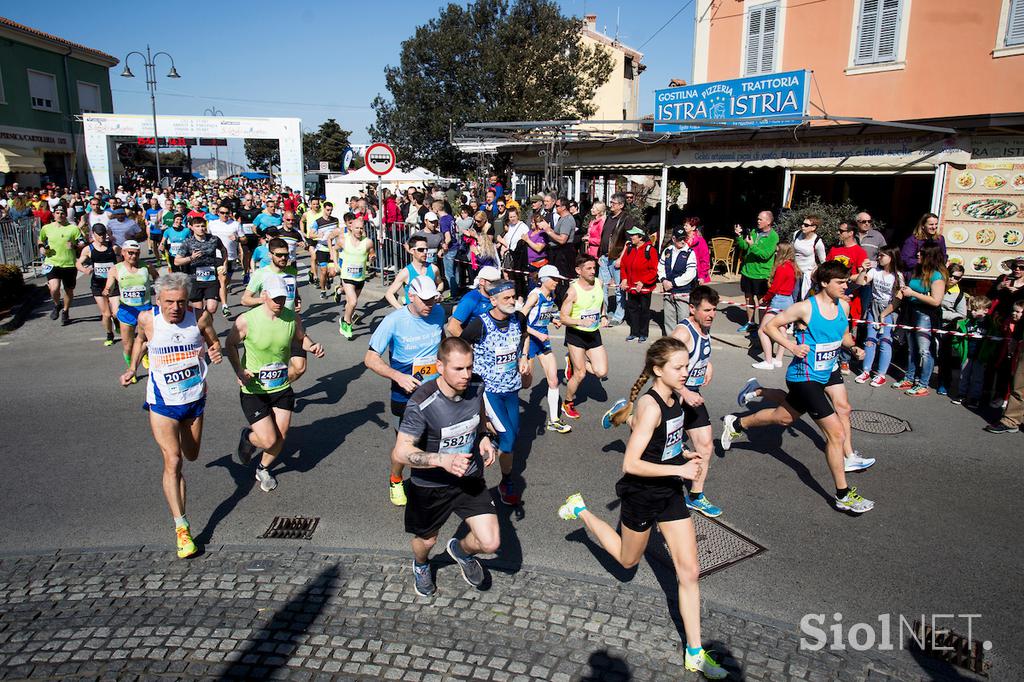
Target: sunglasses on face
[(420, 249), (865, 221), (812, 225), (283, 254)]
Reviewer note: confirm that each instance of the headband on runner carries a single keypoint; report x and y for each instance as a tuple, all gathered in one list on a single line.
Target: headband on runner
[(500, 287)]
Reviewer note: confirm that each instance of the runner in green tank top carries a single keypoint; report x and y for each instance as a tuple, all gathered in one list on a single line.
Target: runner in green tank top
[(583, 315), (267, 333), (135, 284), (357, 251)]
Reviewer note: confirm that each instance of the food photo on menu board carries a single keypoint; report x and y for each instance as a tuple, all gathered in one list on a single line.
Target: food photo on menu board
[(983, 217)]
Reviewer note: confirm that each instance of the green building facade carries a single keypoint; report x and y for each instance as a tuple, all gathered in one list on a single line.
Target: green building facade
[(47, 82)]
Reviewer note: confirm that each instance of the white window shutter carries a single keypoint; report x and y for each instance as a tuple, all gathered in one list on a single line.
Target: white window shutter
[(753, 41), (888, 31), (867, 30), (768, 24), (1015, 24)]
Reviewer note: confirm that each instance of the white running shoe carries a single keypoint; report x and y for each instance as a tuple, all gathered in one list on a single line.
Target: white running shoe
[(855, 462), (777, 363), (729, 431), (748, 393), (764, 364), (266, 479), (854, 502)]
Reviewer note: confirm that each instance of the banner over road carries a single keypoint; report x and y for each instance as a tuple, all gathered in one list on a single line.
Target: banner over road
[(771, 100)]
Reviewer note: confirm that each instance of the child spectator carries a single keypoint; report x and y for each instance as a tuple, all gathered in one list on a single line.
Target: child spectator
[(782, 283), (954, 309), (885, 280), (970, 351)]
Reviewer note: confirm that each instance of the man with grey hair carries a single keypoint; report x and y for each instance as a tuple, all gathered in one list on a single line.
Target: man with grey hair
[(178, 343), (613, 241)]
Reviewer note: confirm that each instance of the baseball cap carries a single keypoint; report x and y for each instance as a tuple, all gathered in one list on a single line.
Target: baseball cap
[(423, 288), (549, 271), (636, 230), (679, 232), (488, 272), (274, 286), (130, 245), (431, 216), (117, 212)]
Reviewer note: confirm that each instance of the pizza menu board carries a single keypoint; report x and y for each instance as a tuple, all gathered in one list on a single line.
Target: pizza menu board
[(983, 217)]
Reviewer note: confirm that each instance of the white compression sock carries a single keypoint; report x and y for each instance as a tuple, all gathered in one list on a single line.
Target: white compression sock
[(553, 404)]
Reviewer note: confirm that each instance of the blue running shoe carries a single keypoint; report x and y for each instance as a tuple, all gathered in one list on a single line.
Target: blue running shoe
[(745, 396), (703, 505), (606, 420)]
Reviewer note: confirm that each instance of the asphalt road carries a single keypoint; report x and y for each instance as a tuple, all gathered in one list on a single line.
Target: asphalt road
[(81, 470)]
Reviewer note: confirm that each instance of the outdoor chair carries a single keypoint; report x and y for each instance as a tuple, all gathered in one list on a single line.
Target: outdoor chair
[(722, 249)]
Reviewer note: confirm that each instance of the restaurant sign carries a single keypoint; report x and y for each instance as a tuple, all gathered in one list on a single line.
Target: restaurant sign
[(775, 99)]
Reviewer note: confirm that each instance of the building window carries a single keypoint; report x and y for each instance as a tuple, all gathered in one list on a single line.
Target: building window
[(42, 89), (878, 31), (760, 45), (1015, 24), (89, 99), (627, 71)]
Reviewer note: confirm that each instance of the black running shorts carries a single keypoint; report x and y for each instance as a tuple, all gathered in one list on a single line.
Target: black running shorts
[(695, 417), (809, 397), (67, 276), (427, 509), (646, 503), (753, 287), (204, 291), (582, 339), (257, 406), (835, 378)]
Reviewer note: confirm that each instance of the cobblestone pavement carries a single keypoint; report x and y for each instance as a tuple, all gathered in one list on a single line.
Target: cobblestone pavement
[(243, 612)]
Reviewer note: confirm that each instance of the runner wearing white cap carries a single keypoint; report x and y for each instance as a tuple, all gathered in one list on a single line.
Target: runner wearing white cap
[(475, 303), (268, 332), (410, 336), (135, 286), (540, 311)]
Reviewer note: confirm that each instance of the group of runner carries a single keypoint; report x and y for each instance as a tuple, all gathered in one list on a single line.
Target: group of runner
[(454, 383)]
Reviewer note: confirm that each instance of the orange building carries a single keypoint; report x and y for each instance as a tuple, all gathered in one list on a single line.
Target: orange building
[(891, 60)]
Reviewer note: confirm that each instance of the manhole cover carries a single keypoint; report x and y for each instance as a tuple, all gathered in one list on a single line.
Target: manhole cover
[(718, 546), (292, 527), (878, 422)]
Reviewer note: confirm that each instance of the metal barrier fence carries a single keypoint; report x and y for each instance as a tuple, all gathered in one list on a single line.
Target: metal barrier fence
[(389, 243), (18, 240)]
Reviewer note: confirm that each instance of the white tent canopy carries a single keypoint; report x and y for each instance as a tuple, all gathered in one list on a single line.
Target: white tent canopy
[(418, 175)]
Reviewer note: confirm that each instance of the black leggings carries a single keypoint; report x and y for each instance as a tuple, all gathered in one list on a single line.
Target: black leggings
[(638, 313)]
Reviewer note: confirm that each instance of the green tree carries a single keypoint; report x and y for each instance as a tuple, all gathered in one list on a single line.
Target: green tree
[(326, 144), (487, 61), (262, 154)]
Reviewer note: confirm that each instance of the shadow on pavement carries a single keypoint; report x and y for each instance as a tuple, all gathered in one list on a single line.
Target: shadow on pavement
[(604, 666), (265, 652), (333, 386), (772, 446), (309, 444), (935, 669), (244, 477)]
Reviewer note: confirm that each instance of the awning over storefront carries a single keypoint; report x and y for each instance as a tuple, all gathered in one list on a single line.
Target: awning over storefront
[(20, 161)]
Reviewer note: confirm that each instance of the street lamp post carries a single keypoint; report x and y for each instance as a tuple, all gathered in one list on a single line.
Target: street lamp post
[(214, 111), (149, 59)]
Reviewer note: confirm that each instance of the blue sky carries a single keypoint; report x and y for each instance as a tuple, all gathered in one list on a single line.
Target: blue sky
[(314, 60)]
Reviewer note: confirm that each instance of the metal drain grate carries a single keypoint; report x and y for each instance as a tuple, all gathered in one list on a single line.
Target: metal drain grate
[(718, 546), (292, 527), (878, 423), (948, 646)]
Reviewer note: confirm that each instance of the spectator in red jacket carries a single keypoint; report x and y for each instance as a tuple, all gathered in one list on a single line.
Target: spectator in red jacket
[(639, 266), (785, 274)]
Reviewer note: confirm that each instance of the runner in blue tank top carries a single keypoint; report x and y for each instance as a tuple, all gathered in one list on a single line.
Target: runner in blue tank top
[(417, 268), (541, 310), (823, 322)]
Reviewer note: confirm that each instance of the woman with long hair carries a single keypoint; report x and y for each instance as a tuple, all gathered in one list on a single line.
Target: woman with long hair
[(651, 489), (886, 280), (782, 289), (695, 240), (926, 233), (924, 293)]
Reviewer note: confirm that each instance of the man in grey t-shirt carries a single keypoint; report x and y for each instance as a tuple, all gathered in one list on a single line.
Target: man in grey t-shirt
[(870, 239), (561, 250), (444, 439)]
